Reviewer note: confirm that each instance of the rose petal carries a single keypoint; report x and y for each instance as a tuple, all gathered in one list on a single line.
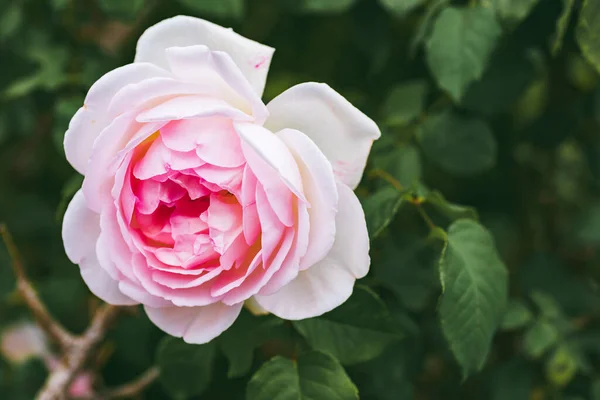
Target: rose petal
[(80, 229), (197, 325), (252, 58), (328, 283), (91, 119), (274, 167), (320, 190), (102, 168), (154, 91), (188, 107), (200, 64), (342, 132)]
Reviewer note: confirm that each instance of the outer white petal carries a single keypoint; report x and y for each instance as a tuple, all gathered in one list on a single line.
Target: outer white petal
[(342, 132), (329, 283), (91, 118), (80, 232), (80, 229), (251, 57), (188, 107), (216, 69), (197, 325), (320, 190), (101, 284)]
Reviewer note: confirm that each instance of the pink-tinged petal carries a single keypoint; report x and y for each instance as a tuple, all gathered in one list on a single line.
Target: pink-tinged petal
[(320, 190), (192, 184), (137, 293), (235, 254), (197, 325), (224, 221), (120, 254), (187, 135), (272, 229), (91, 119), (101, 284), (201, 64), (189, 107), (229, 179), (257, 279), (160, 161), (234, 277), (153, 91), (80, 229), (248, 195), (274, 167), (328, 283), (291, 265), (178, 281), (251, 57), (190, 297), (222, 150), (103, 166), (104, 258), (342, 132), (251, 223)]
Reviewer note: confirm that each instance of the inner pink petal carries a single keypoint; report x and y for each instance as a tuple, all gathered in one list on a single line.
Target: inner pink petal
[(224, 220)]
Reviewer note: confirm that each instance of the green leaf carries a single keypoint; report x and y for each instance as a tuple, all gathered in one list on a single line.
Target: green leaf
[(586, 229), (595, 390), (218, 8), (460, 45), (462, 146), (587, 33), (562, 23), (450, 210), (355, 332), (405, 103), (509, 74), (517, 315), (380, 209), (388, 377), (426, 24), (401, 7), (539, 338), (239, 341), (547, 305), (475, 286), (513, 10), (405, 264), (127, 9), (185, 369), (561, 367), (314, 376), (403, 163), (324, 6), (10, 20), (52, 62), (512, 380)]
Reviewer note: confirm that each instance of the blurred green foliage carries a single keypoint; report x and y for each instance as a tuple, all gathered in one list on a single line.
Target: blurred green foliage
[(482, 197)]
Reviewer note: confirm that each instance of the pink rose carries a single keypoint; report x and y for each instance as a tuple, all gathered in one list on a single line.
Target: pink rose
[(197, 197)]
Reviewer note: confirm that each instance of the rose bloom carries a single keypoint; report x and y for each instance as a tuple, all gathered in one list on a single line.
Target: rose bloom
[(198, 198)]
